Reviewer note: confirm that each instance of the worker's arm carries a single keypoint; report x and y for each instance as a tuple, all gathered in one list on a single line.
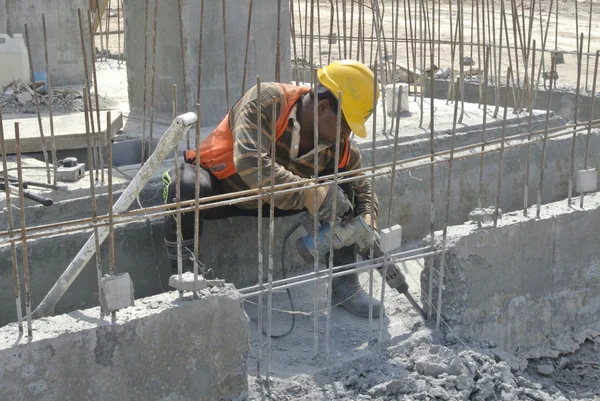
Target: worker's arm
[(247, 155), (363, 192)]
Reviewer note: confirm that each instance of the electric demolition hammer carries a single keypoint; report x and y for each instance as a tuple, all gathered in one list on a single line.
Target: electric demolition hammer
[(355, 232)]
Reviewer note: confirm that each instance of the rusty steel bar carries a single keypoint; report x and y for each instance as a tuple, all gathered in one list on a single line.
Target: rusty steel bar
[(372, 222), (24, 254), (196, 204), (245, 71), (183, 69), (484, 126), (501, 161), (90, 140), (11, 227), (178, 196), (259, 233), (432, 188), (338, 129), (145, 97), (225, 68), (528, 158), (587, 67), (50, 100), (153, 78), (271, 240), (577, 92), (119, 30), (315, 217), (200, 48), (111, 228), (99, 141), (545, 143), (278, 45), (37, 105), (589, 133)]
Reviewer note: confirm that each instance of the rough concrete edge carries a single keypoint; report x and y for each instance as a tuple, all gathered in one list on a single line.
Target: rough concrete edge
[(89, 319), (562, 344)]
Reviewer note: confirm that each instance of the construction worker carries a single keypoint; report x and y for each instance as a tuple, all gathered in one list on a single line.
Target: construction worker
[(229, 159)]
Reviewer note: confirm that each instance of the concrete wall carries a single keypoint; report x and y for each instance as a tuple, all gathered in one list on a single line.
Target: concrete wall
[(530, 285), (261, 56), (162, 349), (62, 25)]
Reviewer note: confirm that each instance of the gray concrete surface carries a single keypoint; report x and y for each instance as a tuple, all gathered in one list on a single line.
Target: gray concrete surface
[(530, 285), (261, 55), (164, 348), (64, 45)]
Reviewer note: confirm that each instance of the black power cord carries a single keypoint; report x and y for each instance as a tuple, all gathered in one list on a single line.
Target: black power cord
[(287, 290)]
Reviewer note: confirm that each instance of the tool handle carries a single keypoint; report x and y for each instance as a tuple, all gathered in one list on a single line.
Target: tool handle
[(38, 198)]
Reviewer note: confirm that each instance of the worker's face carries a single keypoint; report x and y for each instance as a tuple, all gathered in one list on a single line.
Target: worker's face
[(328, 124)]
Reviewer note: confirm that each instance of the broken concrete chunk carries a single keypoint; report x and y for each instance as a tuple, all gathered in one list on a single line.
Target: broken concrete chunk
[(545, 370), (187, 282), (24, 97), (484, 215)]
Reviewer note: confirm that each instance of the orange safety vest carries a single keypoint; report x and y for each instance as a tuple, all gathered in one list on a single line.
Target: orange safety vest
[(216, 151)]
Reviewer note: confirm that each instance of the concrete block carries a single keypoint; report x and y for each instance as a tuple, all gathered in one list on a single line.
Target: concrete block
[(484, 215), (391, 238), (586, 180), (70, 174), (164, 348), (187, 282), (116, 292), (395, 93)]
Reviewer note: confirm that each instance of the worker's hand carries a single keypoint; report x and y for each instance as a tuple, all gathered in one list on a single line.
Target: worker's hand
[(364, 242), (309, 199), (343, 206)]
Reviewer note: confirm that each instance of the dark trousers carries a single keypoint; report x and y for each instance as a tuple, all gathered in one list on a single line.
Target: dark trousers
[(211, 186)]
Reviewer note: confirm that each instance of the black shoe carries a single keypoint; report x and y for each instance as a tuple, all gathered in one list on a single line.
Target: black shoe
[(347, 291)]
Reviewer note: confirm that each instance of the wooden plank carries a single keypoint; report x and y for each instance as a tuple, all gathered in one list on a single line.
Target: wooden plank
[(69, 132)]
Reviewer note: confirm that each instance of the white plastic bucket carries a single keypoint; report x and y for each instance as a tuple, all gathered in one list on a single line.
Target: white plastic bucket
[(14, 60)]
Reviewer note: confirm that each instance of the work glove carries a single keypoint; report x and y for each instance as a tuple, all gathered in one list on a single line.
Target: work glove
[(343, 205), (364, 242)]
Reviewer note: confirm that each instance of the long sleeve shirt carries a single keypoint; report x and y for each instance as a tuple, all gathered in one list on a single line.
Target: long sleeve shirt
[(289, 166)]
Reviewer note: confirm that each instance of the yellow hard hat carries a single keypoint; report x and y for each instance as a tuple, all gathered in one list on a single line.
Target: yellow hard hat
[(355, 80)]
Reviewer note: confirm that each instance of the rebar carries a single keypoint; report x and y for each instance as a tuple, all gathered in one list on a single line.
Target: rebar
[(315, 217), (50, 101), (259, 234), (501, 157), (145, 95), (225, 66), (98, 139), (575, 118), (183, 66)]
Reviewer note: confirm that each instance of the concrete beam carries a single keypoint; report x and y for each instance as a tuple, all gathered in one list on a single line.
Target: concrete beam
[(530, 285), (162, 349)]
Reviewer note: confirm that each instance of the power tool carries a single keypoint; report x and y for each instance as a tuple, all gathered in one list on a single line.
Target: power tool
[(347, 233)]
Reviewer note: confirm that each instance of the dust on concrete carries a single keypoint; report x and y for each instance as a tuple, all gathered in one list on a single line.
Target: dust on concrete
[(414, 361), (62, 102)]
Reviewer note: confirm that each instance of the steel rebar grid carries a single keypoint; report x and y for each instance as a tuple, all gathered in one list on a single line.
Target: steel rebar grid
[(24, 254), (50, 100), (36, 100), (271, 238), (589, 134), (259, 224), (11, 226), (90, 140), (575, 118), (334, 211), (242, 196)]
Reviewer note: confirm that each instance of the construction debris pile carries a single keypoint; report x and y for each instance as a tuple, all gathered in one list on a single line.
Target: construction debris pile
[(421, 369), (19, 97)]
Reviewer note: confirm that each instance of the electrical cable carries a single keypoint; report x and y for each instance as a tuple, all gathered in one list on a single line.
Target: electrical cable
[(287, 290)]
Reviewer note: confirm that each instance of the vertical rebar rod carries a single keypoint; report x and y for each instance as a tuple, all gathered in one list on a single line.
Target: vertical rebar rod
[(372, 222), (50, 100), (259, 234), (197, 254), (591, 117), (111, 228), (352, 27), (293, 37), (99, 141), (338, 130), (422, 62), (344, 36), (315, 217), (330, 39), (484, 126), (545, 144), (501, 154), (311, 56), (11, 227), (37, 105), (107, 12), (446, 218), (145, 95), (245, 72), (24, 254), (587, 67), (200, 54), (178, 196), (575, 118), (95, 158), (90, 141), (119, 31), (499, 71), (528, 157), (153, 76), (183, 66), (225, 68), (103, 53), (461, 55), (278, 44), (305, 24), (319, 31), (302, 46), (271, 238)]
